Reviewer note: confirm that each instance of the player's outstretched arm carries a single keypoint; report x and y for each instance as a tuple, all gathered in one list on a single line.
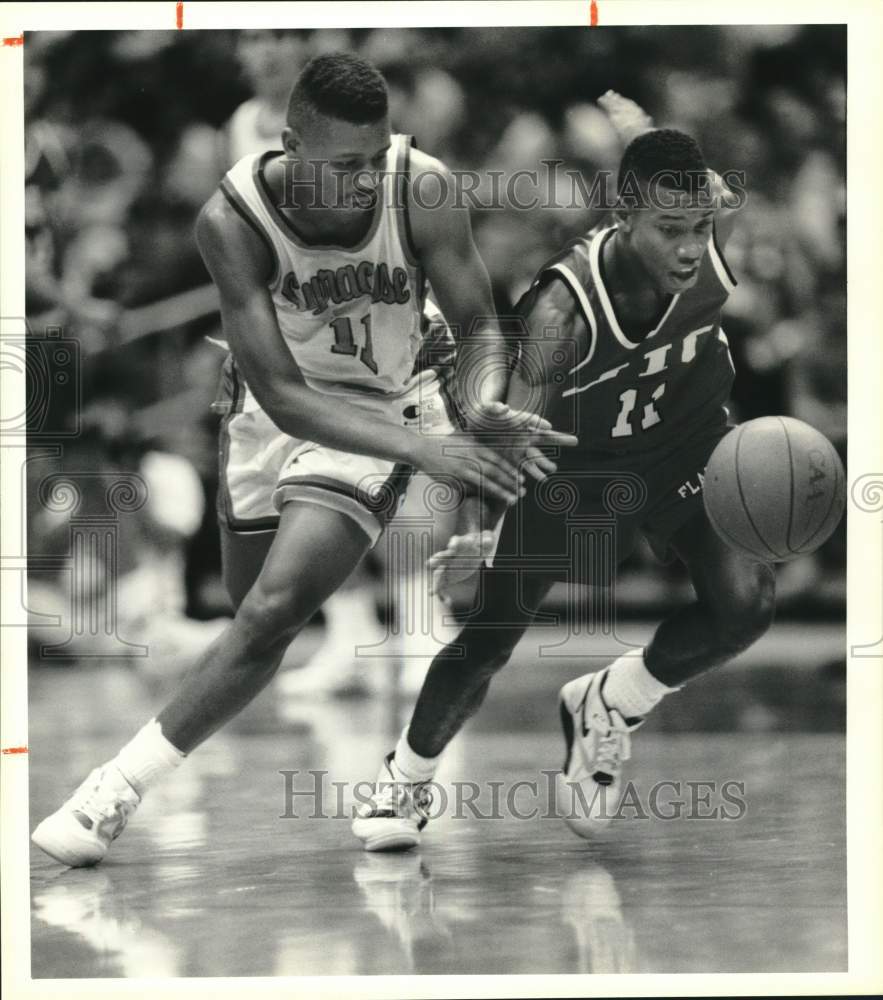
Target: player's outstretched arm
[(550, 307), (460, 282), (240, 266), (442, 233), (443, 240)]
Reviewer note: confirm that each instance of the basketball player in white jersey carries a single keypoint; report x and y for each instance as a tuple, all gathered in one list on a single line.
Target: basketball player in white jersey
[(322, 305), (271, 60)]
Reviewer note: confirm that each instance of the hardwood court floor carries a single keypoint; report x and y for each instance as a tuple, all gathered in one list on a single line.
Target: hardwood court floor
[(209, 880)]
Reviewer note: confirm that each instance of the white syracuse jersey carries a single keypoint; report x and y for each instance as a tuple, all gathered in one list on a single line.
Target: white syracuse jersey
[(352, 317)]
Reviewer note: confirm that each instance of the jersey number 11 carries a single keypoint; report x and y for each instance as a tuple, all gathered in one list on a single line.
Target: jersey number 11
[(344, 342), (627, 400)]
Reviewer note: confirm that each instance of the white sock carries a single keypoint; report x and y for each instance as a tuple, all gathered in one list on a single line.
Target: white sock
[(147, 757), (631, 688), (410, 765)]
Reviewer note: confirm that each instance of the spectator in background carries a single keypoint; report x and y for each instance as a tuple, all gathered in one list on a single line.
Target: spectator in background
[(425, 99), (815, 386), (270, 60), (139, 580), (61, 287)]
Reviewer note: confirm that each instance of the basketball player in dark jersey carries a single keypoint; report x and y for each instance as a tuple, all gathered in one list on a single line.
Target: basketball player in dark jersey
[(622, 345)]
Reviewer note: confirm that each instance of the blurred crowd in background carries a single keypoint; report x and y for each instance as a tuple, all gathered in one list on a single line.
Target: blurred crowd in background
[(128, 133)]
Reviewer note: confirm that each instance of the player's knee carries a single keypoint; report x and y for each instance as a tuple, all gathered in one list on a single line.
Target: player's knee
[(268, 617), (747, 607)]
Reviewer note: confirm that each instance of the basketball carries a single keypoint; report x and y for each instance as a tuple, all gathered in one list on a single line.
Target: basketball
[(774, 489)]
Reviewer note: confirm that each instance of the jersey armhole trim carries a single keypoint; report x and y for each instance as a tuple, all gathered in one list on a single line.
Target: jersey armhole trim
[(585, 307), (722, 269), (403, 216), (242, 209)]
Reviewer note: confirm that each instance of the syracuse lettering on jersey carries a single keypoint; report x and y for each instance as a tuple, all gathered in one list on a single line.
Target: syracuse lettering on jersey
[(346, 283)]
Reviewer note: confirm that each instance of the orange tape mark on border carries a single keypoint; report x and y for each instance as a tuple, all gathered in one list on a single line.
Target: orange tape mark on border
[(179, 15), (593, 14), (14, 750), (17, 40)]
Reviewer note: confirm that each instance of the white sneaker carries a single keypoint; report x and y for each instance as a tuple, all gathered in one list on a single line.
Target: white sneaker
[(81, 831), (395, 814), (598, 742)]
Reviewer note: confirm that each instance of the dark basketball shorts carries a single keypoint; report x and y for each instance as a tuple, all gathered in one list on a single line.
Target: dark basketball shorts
[(580, 523)]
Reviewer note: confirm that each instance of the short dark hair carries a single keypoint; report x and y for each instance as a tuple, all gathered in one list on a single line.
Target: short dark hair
[(663, 152), (338, 85)]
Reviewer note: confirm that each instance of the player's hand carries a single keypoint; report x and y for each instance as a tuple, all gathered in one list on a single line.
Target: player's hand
[(722, 197), (627, 117), (484, 469), (460, 560), (537, 465), (521, 432)]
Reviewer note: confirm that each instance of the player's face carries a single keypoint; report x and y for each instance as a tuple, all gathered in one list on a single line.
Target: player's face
[(670, 243), (345, 161)]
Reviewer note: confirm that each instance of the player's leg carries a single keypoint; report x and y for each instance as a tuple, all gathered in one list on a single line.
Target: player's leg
[(334, 668), (459, 677), (243, 554), (350, 616), (734, 606), (314, 550), (455, 686)]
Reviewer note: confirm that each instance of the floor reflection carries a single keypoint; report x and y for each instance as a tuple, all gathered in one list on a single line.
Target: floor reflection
[(91, 907), (211, 878), (423, 918), (592, 908), (399, 892)]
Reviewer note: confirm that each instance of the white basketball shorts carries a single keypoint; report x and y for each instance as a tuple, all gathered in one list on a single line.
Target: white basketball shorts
[(262, 469)]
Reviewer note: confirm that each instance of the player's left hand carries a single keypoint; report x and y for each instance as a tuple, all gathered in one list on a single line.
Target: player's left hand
[(524, 431), (722, 197), (460, 560)]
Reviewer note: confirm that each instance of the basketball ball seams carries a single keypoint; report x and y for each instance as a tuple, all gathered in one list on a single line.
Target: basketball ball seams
[(742, 498), (791, 472), (834, 494), (745, 507)]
